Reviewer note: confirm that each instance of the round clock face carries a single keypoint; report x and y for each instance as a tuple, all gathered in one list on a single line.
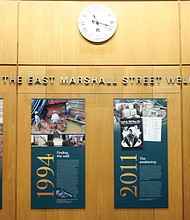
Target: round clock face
[(97, 23)]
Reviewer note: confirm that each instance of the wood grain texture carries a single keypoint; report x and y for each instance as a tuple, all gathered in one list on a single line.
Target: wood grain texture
[(99, 164), (24, 161), (99, 160), (168, 81), (152, 40), (186, 142), (8, 32), (109, 75), (8, 93), (175, 187), (32, 78), (147, 33), (185, 41)]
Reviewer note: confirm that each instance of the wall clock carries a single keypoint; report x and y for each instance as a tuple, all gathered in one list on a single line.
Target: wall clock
[(97, 23)]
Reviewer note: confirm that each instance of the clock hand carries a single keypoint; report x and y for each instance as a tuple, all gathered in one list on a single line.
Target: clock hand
[(95, 17), (107, 25), (95, 22), (99, 23)]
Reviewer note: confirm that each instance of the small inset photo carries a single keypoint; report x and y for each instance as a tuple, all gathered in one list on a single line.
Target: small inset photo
[(77, 140), (131, 134)]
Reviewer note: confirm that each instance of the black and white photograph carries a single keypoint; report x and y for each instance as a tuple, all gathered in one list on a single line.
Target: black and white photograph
[(131, 134)]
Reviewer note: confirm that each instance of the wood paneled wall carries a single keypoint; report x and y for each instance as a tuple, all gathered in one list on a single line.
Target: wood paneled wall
[(40, 38)]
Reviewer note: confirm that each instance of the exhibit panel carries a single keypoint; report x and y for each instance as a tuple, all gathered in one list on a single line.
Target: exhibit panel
[(140, 153), (58, 153), (174, 209), (24, 199)]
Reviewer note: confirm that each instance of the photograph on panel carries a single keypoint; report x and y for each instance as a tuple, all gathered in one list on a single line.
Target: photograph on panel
[(50, 140), (77, 140), (58, 116), (131, 132), (139, 120)]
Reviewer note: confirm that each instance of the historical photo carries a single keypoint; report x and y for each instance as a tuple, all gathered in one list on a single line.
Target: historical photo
[(58, 116), (146, 117), (131, 132)]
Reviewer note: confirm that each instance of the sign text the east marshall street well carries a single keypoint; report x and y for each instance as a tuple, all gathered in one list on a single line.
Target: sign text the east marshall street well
[(95, 80)]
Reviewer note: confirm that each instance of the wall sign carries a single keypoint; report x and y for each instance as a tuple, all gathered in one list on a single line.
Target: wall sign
[(90, 79), (58, 153), (140, 153)]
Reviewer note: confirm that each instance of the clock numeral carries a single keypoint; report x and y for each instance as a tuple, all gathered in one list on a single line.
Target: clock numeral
[(96, 7), (90, 10), (84, 15), (82, 23), (90, 36), (84, 30), (97, 29)]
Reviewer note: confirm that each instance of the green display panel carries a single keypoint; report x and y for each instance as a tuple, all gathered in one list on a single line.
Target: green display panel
[(140, 153), (58, 153)]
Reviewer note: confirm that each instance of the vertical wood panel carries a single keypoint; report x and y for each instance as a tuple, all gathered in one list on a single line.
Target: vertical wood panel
[(175, 189), (8, 93), (8, 32), (185, 41), (186, 142), (24, 161)]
